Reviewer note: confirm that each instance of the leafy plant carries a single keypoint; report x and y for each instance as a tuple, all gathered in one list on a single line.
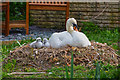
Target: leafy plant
[(17, 10), (89, 26), (10, 66), (18, 43), (71, 65), (66, 69), (97, 75)]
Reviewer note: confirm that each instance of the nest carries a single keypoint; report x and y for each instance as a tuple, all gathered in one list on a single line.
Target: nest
[(44, 58)]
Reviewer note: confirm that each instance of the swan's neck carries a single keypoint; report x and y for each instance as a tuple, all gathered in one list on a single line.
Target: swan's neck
[(69, 28)]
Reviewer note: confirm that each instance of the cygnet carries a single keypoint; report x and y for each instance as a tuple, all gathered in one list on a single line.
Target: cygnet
[(46, 43), (37, 44)]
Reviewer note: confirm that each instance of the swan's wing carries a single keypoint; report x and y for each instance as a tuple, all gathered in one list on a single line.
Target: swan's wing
[(54, 40), (66, 38), (80, 39), (61, 39), (86, 40)]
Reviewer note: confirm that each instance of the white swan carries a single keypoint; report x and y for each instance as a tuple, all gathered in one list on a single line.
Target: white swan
[(37, 44), (69, 37), (79, 39)]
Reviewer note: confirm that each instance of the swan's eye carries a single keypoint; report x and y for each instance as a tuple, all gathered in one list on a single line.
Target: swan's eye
[(74, 25)]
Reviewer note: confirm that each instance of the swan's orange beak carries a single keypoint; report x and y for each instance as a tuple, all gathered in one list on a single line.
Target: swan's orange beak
[(75, 28)]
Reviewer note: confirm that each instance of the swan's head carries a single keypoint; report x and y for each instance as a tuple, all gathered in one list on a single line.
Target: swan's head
[(38, 39), (71, 23)]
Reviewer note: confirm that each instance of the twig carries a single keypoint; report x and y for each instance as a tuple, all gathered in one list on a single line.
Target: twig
[(25, 73), (97, 15), (100, 13), (32, 65)]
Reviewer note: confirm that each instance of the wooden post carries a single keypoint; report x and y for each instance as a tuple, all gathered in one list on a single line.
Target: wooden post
[(119, 19), (27, 18), (7, 20), (67, 13)]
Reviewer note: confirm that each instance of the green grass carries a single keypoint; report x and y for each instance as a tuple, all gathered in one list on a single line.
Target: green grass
[(9, 67), (97, 73), (71, 65), (105, 36), (66, 69), (104, 71), (7, 48)]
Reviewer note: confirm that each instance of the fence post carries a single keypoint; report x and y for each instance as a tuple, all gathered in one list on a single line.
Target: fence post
[(27, 18)]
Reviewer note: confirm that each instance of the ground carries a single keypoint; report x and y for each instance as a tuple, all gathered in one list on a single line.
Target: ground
[(43, 59), (26, 59), (34, 32)]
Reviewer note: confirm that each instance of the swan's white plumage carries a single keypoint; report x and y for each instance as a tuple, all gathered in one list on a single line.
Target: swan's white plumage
[(69, 37), (80, 39), (58, 40)]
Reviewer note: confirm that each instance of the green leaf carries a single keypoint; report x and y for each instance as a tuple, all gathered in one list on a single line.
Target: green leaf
[(71, 65), (19, 43), (66, 69), (97, 75)]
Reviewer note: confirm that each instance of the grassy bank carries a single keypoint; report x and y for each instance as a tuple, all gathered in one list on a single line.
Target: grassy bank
[(99, 35)]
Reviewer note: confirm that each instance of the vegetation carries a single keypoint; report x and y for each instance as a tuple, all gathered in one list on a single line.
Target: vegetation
[(17, 11), (104, 35), (106, 71), (93, 32), (102, 71)]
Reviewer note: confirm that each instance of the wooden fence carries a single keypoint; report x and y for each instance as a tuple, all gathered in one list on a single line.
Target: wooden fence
[(103, 14)]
